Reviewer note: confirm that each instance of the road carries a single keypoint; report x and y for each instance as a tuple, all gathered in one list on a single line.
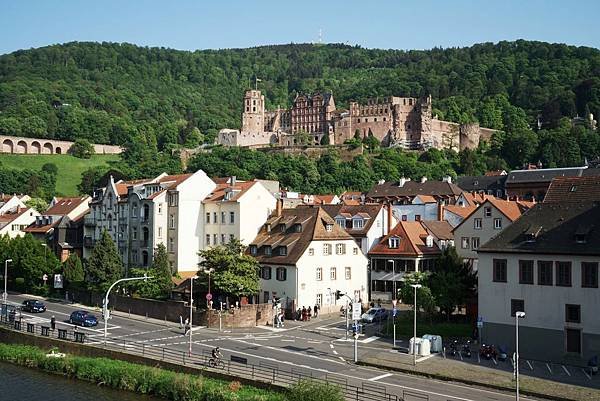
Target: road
[(314, 348)]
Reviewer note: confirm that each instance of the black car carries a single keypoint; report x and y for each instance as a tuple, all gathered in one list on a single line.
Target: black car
[(33, 306)]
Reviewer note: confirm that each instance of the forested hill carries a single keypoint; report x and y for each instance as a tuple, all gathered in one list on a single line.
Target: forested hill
[(110, 93)]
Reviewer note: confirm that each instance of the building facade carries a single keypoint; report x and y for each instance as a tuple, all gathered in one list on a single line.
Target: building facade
[(394, 121), (546, 265), (305, 258)]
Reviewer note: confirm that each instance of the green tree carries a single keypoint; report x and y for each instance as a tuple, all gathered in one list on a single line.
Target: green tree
[(234, 272), (161, 284), (452, 282), (39, 204), (10, 126), (50, 168), (73, 271), (104, 266), (325, 140), (425, 299), (82, 148), (90, 179)]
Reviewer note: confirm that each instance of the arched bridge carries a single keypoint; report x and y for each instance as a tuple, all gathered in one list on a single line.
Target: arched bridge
[(38, 146)]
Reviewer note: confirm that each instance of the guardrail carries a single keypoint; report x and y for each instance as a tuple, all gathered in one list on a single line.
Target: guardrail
[(268, 373)]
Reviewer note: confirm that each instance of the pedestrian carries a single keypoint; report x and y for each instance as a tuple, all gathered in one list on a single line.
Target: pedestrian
[(309, 312), (299, 314), (53, 322), (186, 326), (304, 314), (316, 310)]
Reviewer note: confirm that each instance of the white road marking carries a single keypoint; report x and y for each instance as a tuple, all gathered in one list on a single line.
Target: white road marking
[(342, 359), (288, 341), (315, 342), (335, 352), (331, 346), (372, 379), (370, 339)]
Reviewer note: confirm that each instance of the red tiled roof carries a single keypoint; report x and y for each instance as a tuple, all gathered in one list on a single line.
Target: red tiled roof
[(462, 211), (10, 216), (413, 242), (65, 206), (239, 189)]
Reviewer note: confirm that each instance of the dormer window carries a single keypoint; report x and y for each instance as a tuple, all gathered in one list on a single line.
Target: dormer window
[(297, 228), (253, 250), (340, 221), (580, 238), (429, 241), (358, 223), (394, 242), (573, 188), (283, 250), (282, 228), (329, 227), (268, 250)]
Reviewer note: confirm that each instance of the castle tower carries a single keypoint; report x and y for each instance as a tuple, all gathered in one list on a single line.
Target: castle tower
[(253, 116)]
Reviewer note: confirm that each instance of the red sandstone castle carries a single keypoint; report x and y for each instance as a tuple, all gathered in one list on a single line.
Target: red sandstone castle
[(394, 121)]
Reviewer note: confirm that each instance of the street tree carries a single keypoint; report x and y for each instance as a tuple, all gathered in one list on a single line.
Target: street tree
[(104, 266), (425, 299), (233, 272), (73, 271), (161, 285)]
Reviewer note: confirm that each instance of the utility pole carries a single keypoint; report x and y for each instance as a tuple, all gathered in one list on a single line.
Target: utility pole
[(5, 294), (518, 315), (415, 286), (191, 309)]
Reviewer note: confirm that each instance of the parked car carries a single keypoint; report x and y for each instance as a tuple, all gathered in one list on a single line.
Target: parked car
[(33, 306), (374, 315), (83, 318)]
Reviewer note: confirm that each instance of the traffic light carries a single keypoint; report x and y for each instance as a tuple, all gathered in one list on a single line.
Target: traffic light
[(338, 295)]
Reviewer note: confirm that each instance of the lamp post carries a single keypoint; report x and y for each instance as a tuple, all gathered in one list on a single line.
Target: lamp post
[(191, 306), (5, 294), (518, 315), (394, 296), (208, 302), (415, 286), (105, 313)]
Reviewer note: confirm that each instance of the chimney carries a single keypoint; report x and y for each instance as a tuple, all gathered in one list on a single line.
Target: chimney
[(279, 207), (232, 180), (447, 179), (403, 181), (389, 218), (423, 179), (440, 212)]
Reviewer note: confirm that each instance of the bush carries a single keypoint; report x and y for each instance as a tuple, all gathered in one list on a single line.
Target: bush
[(137, 378), (20, 284), (82, 149), (310, 390)]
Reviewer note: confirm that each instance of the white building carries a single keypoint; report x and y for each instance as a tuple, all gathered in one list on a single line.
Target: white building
[(367, 223), (546, 265), (13, 223), (9, 203), (305, 258), (235, 210), (485, 222)]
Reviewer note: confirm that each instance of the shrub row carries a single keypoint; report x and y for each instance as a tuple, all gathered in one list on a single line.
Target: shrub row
[(159, 382)]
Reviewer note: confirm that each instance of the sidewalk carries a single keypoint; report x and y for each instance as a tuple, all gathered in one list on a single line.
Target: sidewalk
[(451, 370)]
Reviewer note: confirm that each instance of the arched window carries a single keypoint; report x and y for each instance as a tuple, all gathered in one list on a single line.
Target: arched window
[(145, 258), (134, 210), (146, 212), (110, 222), (145, 235)]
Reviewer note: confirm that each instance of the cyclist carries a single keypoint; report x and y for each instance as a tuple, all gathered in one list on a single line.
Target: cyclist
[(216, 354)]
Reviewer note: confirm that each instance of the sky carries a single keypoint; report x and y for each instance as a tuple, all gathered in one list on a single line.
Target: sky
[(214, 24)]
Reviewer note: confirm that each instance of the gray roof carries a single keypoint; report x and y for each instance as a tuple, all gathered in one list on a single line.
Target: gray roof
[(551, 228), (414, 188), (542, 175), (481, 182)]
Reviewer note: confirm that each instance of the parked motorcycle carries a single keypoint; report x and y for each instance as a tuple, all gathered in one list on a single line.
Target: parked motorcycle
[(453, 348), (466, 349), (502, 353), (488, 351)]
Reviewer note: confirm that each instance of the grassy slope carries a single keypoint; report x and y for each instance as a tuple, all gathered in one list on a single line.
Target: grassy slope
[(69, 167)]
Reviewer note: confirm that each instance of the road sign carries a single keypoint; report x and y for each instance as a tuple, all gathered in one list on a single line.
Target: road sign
[(45, 277), (58, 281), (356, 311), (208, 296)]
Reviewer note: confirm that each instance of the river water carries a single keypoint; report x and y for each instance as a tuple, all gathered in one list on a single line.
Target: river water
[(18, 383)]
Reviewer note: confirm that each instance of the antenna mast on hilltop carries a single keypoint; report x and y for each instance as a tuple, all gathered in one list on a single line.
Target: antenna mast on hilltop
[(320, 36)]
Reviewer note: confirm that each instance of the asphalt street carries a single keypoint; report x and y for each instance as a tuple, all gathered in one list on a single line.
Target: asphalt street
[(316, 348)]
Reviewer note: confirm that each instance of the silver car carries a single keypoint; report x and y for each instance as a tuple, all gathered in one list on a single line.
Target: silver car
[(374, 315)]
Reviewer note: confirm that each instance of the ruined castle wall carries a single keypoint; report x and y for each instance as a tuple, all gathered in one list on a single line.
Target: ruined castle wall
[(246, 139), (445, 134)]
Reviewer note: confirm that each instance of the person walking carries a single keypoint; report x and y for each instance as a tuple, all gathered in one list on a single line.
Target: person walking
[(309, 312), (316, 309), (304, 314), (299, 315), (53, 323), (186, 327)]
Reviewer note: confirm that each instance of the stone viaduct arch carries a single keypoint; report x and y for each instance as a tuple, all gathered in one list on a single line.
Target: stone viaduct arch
[(22, 145)]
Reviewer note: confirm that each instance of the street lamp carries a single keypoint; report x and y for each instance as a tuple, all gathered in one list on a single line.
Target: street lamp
[(209, 301), (105, 313), (394, 297), (415, 286), (518, 315), (5, 294), (191, 306)]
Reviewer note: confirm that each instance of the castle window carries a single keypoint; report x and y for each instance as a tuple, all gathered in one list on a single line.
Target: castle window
[(375, 119), (384, 119), (359, 120), (253, 108)]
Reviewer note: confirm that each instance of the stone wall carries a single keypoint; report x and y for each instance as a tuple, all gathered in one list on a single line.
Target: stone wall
[(23, 145), (245, 316), (346, 152), (229, 137)]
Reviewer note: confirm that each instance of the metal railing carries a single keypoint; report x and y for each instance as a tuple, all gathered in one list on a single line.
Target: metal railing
[(265, 372)]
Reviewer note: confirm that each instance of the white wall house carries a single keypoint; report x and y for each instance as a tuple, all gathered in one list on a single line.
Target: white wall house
[(9, 203), (305, 258), (546, 265), (13, 223), (235, 209), (422, 207), (484, 223)]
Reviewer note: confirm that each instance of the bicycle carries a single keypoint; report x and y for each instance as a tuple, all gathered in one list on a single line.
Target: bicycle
[(216, 363)]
